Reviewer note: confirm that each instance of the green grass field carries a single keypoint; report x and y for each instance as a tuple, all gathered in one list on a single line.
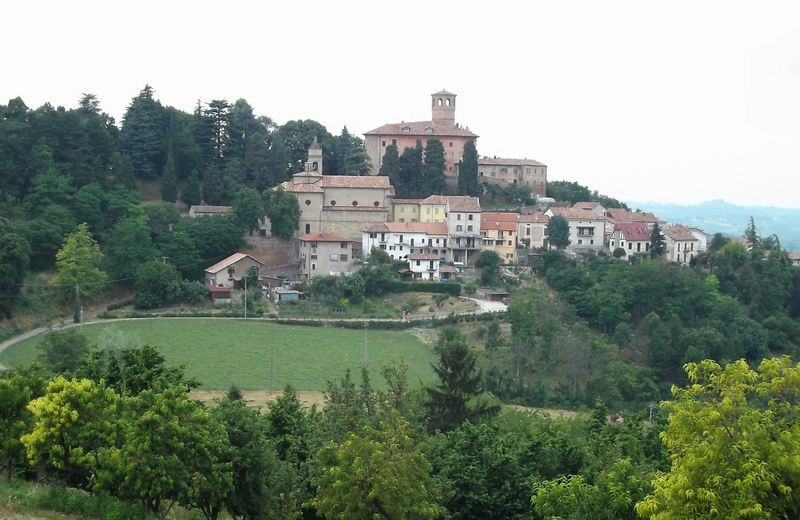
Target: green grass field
[(221, 352)]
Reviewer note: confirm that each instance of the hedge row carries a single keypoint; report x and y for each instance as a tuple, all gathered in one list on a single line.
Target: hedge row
[(451, 288)]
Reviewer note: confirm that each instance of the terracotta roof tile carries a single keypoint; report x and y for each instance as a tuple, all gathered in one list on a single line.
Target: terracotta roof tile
[(355, 181), (324, 237), (502, 226), (499, 216), (678, 232), (623, 215), (300, 187), (534, 218), (464, 203), (235, 257), (576, 214), (419, 128), (498, 161), (637, 232), (434, 199)]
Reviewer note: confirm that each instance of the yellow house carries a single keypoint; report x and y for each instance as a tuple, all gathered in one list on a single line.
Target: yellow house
[(499, 233)]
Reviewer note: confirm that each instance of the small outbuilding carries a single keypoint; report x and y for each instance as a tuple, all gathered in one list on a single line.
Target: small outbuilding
[(219, 295)]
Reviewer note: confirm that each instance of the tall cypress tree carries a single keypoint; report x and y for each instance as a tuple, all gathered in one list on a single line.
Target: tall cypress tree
[(191, 193), (391, 165), (213, 186), (410, 174), (468, 171), (169, 182), (435, 181)]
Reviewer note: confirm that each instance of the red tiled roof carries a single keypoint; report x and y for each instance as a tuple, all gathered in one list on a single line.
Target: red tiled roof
[(623, 215), (349, 207), (235, 257), (301, 187), (419, 128), (434, 199), (355, 181), (463, 203), (502, 226), (422, 256), (407, 201), (576, 214), (215, 289), (679, 233), (534, 218), (324, 237), (500, 216), (497, 161), (634, 232)]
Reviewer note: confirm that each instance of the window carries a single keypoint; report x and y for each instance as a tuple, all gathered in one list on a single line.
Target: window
[(394, 142), (402, 209), (528, 231), (527, 170), (436, 211), (429, 130), (401, 239), (308, 202), (313, 266), (428, 211), (383, 237), (373, 235), (376, 203), (231, 273), (630, 246), (313, 257), (392, 248), (469, 228), (412, 242), (417, 262), (469, 217), (430, 266), (333, 203), (343, 245), (400, 248), (314, 244), (458, 216), (343, 258), (459, 227), (509, 255), (451, 144), (355, 203), (334, 257), (383, 247), (580, 241), (401, 219), (585, 231), (406, 129), (383, 143), (308, 229)]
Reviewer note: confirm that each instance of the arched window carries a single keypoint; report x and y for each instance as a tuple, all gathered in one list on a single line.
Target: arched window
[(439, 102), (406, 129), (308, 229), (448, 102), (314, 166)]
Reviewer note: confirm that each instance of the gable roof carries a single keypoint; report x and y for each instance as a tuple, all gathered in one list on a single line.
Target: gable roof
[(420, 129), (324, 237), (235, 257), (499, 161), (623, 215), (498, 225), (576, 213), (355, 181), (500, 216), (634, 232), (534, 218), (464, 203), (679, 233)]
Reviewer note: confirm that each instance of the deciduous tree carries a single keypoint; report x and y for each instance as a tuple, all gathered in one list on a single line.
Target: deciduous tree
[(77, 264), (558, 232)]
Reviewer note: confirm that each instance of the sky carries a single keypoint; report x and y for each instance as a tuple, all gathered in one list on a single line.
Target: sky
[(672, 102)]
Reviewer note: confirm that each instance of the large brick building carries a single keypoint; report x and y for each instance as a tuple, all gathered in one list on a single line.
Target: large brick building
[(405, 135)]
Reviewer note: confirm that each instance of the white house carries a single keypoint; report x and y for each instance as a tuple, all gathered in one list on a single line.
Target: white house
[(400, 239), (632, 237), (586, 229), (424, 266), (681, 244)]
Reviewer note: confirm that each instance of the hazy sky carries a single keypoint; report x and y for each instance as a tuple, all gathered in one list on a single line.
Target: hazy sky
[(669, 102)]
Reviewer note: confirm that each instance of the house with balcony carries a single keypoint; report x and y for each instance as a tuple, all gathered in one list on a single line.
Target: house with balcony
[(681, 244), (586, 229), (324, 254), (424, 267), (464, 229), (400, 239), (499, 232)]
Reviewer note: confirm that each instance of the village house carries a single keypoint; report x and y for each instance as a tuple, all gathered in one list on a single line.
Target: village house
[(595, 207), (500, 234), (400, 239), (532, 230), (506, 172), (681, 244), (405, 135), (424, 267), (464, 229), (430, 209), (228, 273), (633, 238), (323, 254), (338, 204), (586, 229)]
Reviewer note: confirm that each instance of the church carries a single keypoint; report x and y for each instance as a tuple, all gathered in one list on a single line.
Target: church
[(405, 135)]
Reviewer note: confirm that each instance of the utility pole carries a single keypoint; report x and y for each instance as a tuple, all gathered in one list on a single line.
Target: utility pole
[(366, 324), (245, 296), (77, 304)]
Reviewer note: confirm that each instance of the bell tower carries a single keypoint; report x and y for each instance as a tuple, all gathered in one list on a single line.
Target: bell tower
[(314, 162), (443, 108)]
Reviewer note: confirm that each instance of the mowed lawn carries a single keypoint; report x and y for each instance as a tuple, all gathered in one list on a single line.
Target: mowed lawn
[(221, 352)]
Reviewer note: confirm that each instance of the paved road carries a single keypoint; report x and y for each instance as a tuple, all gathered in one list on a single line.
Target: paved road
[(483, 305)]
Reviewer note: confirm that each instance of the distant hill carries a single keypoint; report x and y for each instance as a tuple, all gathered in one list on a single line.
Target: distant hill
[(718, 216)]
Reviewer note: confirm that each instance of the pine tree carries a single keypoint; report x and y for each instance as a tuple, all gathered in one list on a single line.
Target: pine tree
[(191, 193), (410, 174), (169, 182), (435, 181), (468, 171)]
